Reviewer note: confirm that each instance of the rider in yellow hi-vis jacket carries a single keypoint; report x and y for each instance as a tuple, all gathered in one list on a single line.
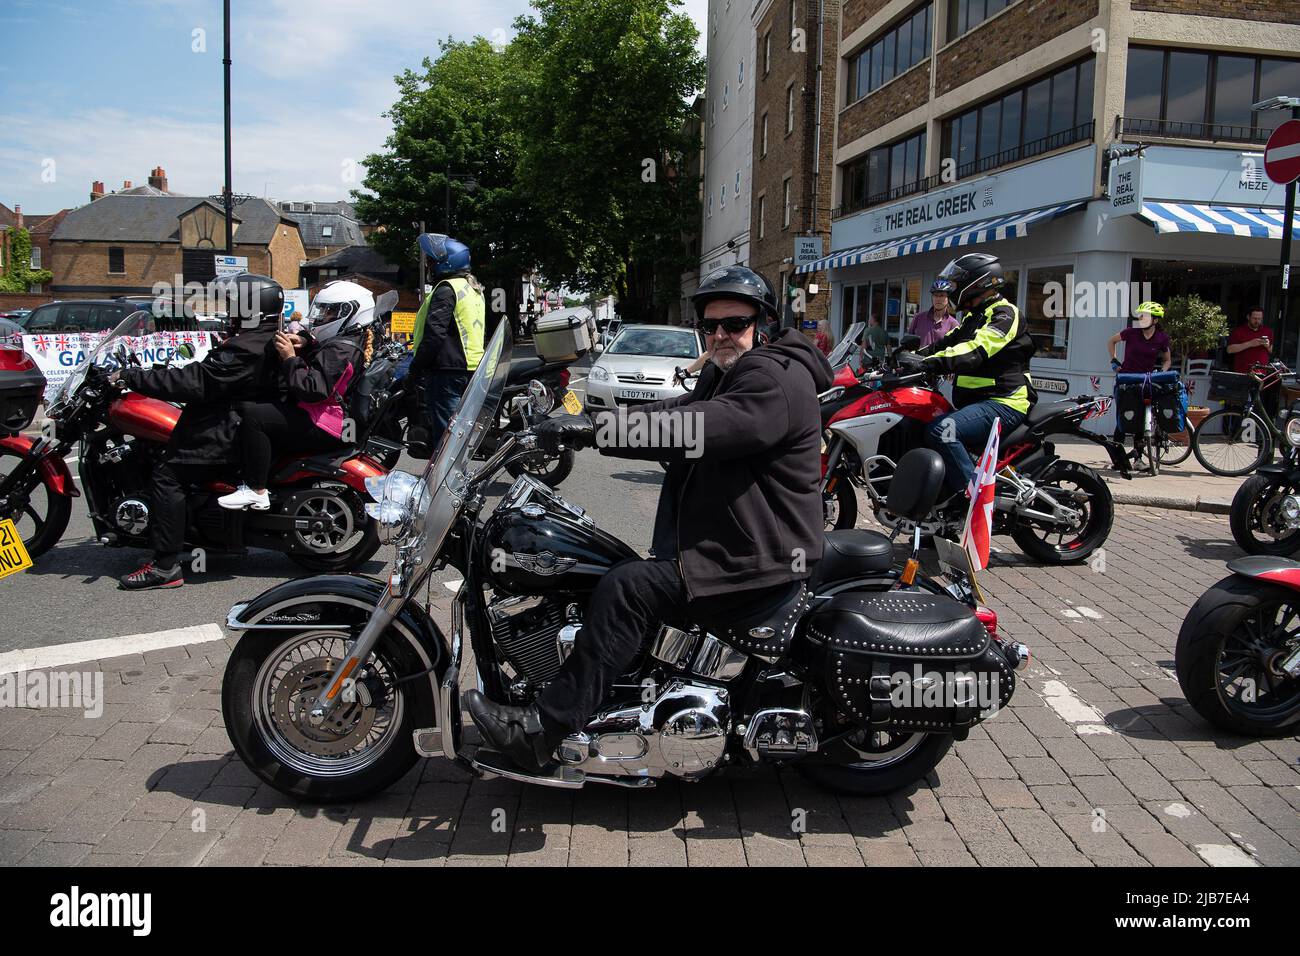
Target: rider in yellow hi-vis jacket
[(990, 353), (448, 331)]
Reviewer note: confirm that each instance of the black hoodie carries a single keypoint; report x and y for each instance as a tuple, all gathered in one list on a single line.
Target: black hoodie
[(746, 512)]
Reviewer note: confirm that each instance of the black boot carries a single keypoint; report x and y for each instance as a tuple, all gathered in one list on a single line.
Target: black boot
[(514, 731)]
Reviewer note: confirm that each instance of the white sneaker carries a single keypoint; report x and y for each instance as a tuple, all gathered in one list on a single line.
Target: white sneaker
[(245, 497)]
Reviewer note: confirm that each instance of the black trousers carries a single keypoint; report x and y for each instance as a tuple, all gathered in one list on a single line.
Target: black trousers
[(167, 517), (276, 429), (633, 599)]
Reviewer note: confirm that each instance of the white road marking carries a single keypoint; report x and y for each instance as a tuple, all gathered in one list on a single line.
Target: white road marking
[(452, 586), (1081, 611), (59, 655), (574, 380), (1180, 810), (1085, 718), (1221, 854)]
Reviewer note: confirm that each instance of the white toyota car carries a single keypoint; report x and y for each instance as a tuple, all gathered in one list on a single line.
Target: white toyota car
[(638, 365)]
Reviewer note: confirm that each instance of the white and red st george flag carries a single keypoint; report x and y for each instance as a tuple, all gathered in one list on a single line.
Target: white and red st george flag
[(978, 531)]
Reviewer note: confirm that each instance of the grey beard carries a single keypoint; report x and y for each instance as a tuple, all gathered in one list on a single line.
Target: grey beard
[(731, 359)]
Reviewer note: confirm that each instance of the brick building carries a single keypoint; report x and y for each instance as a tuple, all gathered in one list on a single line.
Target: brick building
[(40, 227), (122, 244), (997, 125), (793, 149), (326, 227)]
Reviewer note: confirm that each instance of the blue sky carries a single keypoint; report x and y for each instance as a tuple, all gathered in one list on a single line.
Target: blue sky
[(108, 89)]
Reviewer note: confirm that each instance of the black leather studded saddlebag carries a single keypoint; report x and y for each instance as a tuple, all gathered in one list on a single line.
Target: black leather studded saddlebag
[(908, 660)]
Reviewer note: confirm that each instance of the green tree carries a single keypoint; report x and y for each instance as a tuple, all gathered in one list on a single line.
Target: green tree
[(18, 275), (450, 117), (603, 99), (1193, 325)]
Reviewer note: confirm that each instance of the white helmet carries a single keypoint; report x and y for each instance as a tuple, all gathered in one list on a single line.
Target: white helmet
[(340, 306)]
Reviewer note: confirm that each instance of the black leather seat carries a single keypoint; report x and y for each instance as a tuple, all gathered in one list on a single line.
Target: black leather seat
[(522, 369), (849, 554), (1042, 411), (899, 624)]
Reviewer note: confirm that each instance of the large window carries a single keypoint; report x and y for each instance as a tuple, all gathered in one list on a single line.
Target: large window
[(964, 15), (1047, 310), (895, 51), (1046, 114), (116, 260), (1195, 95), (886, 172)]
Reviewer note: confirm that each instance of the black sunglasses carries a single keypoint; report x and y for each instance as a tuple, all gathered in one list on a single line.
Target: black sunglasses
[(735, 324)]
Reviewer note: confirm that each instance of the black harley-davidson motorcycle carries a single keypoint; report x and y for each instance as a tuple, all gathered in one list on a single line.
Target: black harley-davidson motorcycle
[(1265, 515), (861, 681), (1238, 651)]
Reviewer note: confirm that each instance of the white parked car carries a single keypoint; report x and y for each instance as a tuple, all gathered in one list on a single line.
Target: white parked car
[(638, 365)]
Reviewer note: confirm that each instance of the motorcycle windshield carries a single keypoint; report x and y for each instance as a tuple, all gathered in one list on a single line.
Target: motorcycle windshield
[(849, 347), (133, 326), (445, 478)]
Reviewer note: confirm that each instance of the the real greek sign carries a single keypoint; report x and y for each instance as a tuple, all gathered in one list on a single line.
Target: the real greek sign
[(1126, 186)]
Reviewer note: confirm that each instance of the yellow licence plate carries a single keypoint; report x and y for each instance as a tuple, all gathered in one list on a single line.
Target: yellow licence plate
[(13, 556), (572, 404)]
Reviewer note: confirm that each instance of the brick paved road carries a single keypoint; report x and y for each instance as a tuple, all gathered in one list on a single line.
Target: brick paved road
[(1097, 762)]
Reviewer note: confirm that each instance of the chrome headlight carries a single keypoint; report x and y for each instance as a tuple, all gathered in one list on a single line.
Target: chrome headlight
[(1293, 431), (599, 374), (397, 499)]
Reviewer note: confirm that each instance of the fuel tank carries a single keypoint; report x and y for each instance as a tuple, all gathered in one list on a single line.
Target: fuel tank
[(144, 417), (540, 547)]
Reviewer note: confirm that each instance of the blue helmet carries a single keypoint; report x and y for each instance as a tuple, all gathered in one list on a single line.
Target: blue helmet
[(448, 255)]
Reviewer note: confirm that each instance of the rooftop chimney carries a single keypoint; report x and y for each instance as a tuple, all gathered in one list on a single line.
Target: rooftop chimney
[(126, 184), (158, 178), (18, 217), (96, 190)]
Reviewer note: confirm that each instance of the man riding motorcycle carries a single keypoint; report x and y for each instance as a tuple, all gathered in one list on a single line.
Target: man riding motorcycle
[(739, 521), (989, 352), (242, 368)]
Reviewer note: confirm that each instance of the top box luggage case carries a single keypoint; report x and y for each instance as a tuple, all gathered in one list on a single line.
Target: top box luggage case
[(564, 335)]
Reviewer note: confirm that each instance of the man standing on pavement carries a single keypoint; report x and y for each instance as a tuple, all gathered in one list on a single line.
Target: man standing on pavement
[(1251, 344), (938, 320), (448, 332), (877, 339)]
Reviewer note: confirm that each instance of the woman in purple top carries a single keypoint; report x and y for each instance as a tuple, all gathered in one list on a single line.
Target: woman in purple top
[(1145, 345), (937, 321)]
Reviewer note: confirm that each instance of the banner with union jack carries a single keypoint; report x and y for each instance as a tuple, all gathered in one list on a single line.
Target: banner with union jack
[(977, 534)]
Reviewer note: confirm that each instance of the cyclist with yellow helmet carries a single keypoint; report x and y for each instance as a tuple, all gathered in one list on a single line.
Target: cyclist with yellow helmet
[(1146, 344)]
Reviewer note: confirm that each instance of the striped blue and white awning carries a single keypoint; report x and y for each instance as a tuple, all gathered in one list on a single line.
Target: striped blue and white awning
[(988, 230), (1248, 221)]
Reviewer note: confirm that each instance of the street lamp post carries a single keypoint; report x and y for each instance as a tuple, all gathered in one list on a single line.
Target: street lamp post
[(230, 224), (1288, 217)]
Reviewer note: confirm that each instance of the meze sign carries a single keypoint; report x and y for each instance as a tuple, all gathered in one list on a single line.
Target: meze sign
[(1282, 154)]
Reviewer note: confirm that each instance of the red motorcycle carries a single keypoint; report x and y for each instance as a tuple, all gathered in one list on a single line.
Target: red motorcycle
[(1238, 652), (1057, 511), (317, 515)]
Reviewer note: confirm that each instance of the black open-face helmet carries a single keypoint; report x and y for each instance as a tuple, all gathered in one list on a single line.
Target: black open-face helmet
[(740, 283), (972, 275), (250, 300)]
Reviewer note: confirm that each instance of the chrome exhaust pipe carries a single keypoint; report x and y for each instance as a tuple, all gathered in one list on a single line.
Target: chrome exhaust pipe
[(1017, 655)]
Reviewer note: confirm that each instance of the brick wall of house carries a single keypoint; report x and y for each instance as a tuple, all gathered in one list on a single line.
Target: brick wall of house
[(1029, 24), (858, 12), (22, 300), (899, 96), (1271, 11), (86, 264), (286, 254), (792, 155), (41, 234)]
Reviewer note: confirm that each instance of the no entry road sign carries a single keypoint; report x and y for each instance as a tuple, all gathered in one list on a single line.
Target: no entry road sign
[(1282, 154)]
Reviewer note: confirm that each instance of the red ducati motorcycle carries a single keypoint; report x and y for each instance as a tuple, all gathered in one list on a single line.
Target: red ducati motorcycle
[(1238, 652), (1057, 511), (317, 515)]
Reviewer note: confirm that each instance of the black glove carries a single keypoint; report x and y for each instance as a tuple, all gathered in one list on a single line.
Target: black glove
[(571, 431), (909, 362)]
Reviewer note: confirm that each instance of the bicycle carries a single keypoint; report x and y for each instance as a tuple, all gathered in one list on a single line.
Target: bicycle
[(1238, 438), (1161, 403)]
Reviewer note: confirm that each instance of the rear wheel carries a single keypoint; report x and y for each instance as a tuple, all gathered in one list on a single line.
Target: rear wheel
[(1176, 447), (1257, 523), (39, 513), (1077, 487), (1232, 444), (1229, 655), (872, 763), (342, 536)]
